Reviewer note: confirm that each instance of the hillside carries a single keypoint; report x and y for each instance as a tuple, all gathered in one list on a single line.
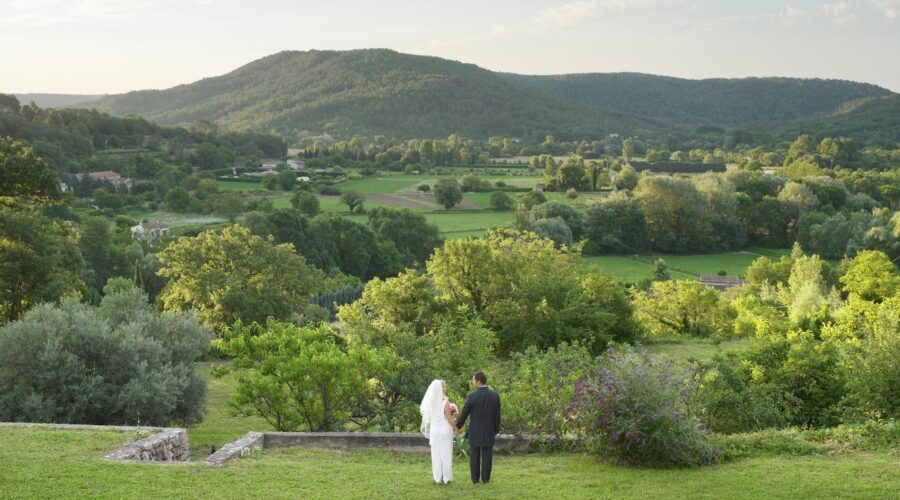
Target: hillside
[(873, 121), (712, 102), (58, 100), (370, 92)]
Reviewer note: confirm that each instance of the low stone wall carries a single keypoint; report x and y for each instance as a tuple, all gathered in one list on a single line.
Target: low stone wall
[(164, 445), (234, 449), (348, 441), (170, 445)]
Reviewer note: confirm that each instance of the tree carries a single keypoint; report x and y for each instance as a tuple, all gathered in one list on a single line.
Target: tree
[(39, 260), (501, 201), (555, 229), (353, 199), (661, 271), (530, 292), (178, 199), (871, 276), (615, 225), (353, 248), (410, 232), (301, 378), (673, 210), (566, 212), (25, 176), (119, 363), (232, 275), (627, 150), (683, 308), (471, 183), (447, 193), (627, 178), (571, 174), (228, 205), (306, 202)]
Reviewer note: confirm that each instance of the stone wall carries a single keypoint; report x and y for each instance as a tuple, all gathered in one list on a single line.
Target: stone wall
[(234, 449), (164, 445), (169, 445)]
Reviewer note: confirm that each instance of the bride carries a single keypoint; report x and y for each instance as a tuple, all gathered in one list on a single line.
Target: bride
[(437, 425)]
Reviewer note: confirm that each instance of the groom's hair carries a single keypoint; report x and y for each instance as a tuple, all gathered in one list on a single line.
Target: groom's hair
[(480, 377)]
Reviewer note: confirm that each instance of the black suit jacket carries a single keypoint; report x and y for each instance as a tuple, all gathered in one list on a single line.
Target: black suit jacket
[(483, 405)]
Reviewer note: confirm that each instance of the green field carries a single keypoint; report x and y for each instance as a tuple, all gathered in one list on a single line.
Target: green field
[(69, 464), (633, 269)]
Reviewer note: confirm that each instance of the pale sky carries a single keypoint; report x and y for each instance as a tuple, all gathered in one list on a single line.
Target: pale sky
[(111, 46)]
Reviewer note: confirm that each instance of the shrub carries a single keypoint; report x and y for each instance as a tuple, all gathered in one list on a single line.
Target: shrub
[(119, 363), (791, 379), (683, 308), (424, 188), (306, 203), (874, 375), (328, 190), (636, 409), (571, 193), (300, 378), (501, 201), (538, 387)]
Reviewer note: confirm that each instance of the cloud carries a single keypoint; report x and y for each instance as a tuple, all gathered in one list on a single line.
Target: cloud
[(839, 13), (790, 15), (585, 11), (890, 9), (496, 31)]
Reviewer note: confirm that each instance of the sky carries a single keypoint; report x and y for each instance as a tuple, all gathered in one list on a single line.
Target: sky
[(113, 46)]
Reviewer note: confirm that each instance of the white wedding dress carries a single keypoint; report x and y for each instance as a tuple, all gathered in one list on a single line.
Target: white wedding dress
[(438, 431)]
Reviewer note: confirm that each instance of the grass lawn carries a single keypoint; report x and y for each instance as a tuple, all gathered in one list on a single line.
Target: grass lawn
[(456, 224), (694, 349), (630, 270), (220, 426), (241, 186), (734, 263), (173, 219), (69, 464)]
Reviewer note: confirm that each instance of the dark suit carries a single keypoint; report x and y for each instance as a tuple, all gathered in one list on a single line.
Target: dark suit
[(484, 407)]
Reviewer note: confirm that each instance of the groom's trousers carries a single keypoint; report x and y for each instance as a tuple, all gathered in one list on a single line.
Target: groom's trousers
[(481, 459)]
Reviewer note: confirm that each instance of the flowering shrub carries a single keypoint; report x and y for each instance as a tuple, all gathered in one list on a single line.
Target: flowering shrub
[(635, 409)]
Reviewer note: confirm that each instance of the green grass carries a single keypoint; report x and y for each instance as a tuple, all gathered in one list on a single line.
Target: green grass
[(734, 263), (630, 270), (456, 224), (69, 464), (220, 426), (694, 349), (241, 186)]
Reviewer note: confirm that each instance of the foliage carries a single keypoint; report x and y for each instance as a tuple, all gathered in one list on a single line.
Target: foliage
[(353, 199), (564, 211), (501, 201), (306, 202), (447, 193), (530, 292), (871, 276), (413, 236), (537, 388), (683, 308), (791, 379), (615, 225), (636, 409), (354, 249), (24, 176), (233, 275), (300, 378), (119, 363)]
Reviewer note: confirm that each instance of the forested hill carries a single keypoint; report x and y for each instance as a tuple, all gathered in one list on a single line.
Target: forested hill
[(371, 92), (712, 102), (872, 120)]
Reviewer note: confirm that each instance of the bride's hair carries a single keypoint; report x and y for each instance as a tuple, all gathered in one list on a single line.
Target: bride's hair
[(432, 406)]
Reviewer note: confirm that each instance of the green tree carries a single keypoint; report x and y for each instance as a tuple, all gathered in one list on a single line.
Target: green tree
[(571, 174), (301, 378), (178, 199), (627, 150), (661, 271), (501, 201), (354, 249), (119, 363), (627, 178), (615, 225), (25, 176), (306, 202), (353, 199), (232, 275), (683, 308), (39, 260), (228, 205), (471, 183), (410, 232), (447, 193), (673, 210), (871, 276)]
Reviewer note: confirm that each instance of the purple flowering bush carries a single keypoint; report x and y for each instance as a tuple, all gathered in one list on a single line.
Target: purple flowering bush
[(636, 409)]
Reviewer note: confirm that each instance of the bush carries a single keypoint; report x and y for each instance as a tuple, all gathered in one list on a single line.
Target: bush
[(119, 363), (791, 379), (636, 409), (306, 203), (571, 193), (538, 387), (424, 188), (874, 376), (501, 201), (328, 190), (301, 378)]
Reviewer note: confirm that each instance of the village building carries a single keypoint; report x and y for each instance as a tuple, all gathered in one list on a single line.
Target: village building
[(149, 230)]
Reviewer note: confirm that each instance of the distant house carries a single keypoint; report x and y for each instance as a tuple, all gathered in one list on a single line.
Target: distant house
[(720, 283), (269, 166), (303, 178), (539, 187), (149, 230), (107, 175), (296, 165), (65, 188)]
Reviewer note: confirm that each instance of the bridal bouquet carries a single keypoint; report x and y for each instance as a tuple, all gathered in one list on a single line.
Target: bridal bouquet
[(453, 410)]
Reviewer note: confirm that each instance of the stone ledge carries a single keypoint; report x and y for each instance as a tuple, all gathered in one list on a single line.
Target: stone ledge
[(251, 440)]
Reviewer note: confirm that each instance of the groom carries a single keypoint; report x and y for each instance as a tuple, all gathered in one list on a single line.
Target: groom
[(484, 406)]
